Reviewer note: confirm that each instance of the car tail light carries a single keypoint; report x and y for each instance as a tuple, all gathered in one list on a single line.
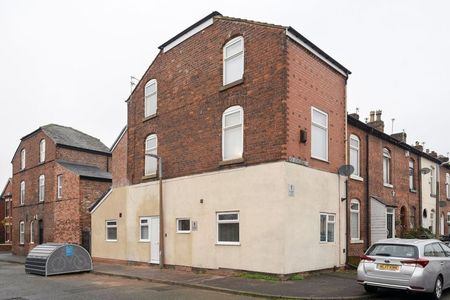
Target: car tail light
[(420, 261), (365, 258)]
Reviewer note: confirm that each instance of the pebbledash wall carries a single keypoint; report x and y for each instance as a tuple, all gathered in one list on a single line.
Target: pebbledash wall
[(285, 76), (279, 233)]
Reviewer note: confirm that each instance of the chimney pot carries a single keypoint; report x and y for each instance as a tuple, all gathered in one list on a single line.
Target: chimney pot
[(372, 116), (379, 115)]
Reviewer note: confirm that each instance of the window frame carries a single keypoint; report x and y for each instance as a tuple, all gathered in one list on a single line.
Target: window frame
[(23, 159), (42, 151), (32, 232), (229, 111), (146, 157), (21, 233), (148, 219), (178, 225), (59, 188), (148, 114), (218, 222), (111, 226), (447, 185), (314, 124), (387, 165), (225, 59), (41, 188), (327, 215), (358, 214), (411, 177), (433, 175), (357, 171), (22, 193)]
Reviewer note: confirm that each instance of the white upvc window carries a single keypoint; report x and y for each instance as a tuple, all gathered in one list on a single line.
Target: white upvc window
[(447, 185), (41, 188), (59, 183), (32, 232), (232, 133), (319, 135), (327, 224), (151, 147), (355, 154), (411, 175), (22, 192), (433, 181), (111, 230), (228, 228), (151, 98), (42, 151), (23, 157), (448, 218), (183, 225), (355, 220), (144, 229), (386, 166), (233, 60), (22, 232)]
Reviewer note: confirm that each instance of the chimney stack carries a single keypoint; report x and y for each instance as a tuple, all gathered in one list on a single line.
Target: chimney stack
[(434, 154), (418, 146), (443, 158), (377, 123), (401, 136)]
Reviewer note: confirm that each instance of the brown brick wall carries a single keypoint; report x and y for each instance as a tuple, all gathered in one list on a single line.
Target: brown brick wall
[(119, 163), (443, 196), (5, 198), (312, 83), (90, 191), (83, 157)]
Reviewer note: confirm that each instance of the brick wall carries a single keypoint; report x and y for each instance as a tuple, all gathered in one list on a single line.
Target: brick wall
[(119, 162), (443, 196), (101, 161), (90, 191), (6, 219)]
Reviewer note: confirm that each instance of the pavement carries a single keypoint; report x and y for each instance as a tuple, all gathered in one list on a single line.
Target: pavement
[(323, 285)]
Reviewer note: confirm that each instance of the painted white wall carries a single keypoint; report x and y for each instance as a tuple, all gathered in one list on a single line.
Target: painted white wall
[(278, 233), (428, 202)]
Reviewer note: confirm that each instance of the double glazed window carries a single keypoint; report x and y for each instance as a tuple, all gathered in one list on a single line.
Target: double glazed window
[(447, 185), (319, 136), (22, 232), (22, 159), (111, 230), (354, 154), (386, 166), (228, 228), (42, 151), (41, 188), (354, 219), (59, 186), (233, 60), (327, 222), (433, 181), (232, 133), (144, 224), (183, 225), (151, 144), (411, 175), (151, 98), (22, 192), (32, 232)]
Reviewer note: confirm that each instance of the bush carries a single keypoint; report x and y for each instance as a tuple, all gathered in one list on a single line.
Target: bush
[(418, 233)]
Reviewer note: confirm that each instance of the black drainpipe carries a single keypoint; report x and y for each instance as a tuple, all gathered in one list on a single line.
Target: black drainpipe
[(367, 194)]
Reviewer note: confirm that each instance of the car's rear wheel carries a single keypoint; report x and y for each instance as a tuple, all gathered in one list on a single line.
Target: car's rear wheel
[(370, 288), (438, 288)]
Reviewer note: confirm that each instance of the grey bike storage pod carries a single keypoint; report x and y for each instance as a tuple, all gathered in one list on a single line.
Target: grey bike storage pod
[(53, 259)]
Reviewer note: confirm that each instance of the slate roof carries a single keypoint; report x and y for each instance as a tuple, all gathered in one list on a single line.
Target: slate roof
[(85, 170), (68, 136)]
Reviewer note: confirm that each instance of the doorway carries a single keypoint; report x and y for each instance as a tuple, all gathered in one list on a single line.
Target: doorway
[(154, 240), (41, 231)]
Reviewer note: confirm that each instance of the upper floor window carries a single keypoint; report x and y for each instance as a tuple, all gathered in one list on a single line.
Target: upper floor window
[(233, 60), (232, 133), (447, 185), (386, 166), (151, 147), (22, 232), (151, 95), (42, 151), (411, 175), (41, 188), (59, 186), (354, 220), (22, 159), (319, 136), (22, 192), (433, 181), (354, 154)]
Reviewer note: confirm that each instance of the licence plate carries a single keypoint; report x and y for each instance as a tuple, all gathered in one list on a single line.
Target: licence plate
[(385, 267)]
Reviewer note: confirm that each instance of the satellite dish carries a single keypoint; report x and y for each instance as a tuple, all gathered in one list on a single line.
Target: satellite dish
[(346, 170), (425, 170)]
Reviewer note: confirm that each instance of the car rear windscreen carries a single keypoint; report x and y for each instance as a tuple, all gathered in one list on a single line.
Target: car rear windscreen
[(393, 250)]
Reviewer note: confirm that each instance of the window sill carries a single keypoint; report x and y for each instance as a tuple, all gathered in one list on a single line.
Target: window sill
[(150, 117), (111, 241), (148, 177), (231, 84), (231, 162), (184, 232), (412, 191), (433, 195), (356, 242), (388, 185), (228, 244), (144, 241), (356, 177), (327, 243), (321, 159)]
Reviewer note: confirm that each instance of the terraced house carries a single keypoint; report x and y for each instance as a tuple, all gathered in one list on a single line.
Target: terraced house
[(58, 172), (6, 217), (249, 122)]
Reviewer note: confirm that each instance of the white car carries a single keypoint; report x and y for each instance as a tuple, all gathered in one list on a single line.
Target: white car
[(406, 264)]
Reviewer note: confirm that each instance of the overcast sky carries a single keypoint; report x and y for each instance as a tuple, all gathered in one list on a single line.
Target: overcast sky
[(70, 62)]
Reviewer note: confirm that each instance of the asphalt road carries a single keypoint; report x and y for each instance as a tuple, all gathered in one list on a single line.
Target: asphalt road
[(16, 284)]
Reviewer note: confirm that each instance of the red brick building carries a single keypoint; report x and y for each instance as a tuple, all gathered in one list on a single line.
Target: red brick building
[(6, 214), (58, 172)]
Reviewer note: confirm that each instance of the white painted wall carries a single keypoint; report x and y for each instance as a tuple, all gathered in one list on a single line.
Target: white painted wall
[(428, 202)]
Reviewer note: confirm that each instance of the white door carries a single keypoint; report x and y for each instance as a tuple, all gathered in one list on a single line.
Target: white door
[(154, 240), (378, 224)]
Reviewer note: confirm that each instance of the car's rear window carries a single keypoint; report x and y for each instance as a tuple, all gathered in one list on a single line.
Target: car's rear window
[(388, 250)]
